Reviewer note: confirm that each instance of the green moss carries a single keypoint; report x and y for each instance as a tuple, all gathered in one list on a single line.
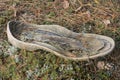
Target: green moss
[(51, 14), (2, 20), (45, 65)]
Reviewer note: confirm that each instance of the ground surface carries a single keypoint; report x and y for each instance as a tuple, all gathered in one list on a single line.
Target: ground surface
[(101, 17)]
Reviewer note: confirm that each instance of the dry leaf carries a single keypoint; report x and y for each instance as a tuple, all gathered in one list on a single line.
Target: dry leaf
[(96, 1), (13, 7), (106, 22), (88, 14), (101, 65), (104, 66), (65, 4), (109, 66)]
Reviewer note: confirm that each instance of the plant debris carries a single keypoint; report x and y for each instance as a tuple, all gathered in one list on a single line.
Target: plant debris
[(45, 66)]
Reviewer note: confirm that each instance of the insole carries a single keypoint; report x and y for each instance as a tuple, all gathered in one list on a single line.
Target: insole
[(78, 47)]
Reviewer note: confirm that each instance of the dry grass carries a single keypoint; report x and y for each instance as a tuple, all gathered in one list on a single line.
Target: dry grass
[(81, 15)]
